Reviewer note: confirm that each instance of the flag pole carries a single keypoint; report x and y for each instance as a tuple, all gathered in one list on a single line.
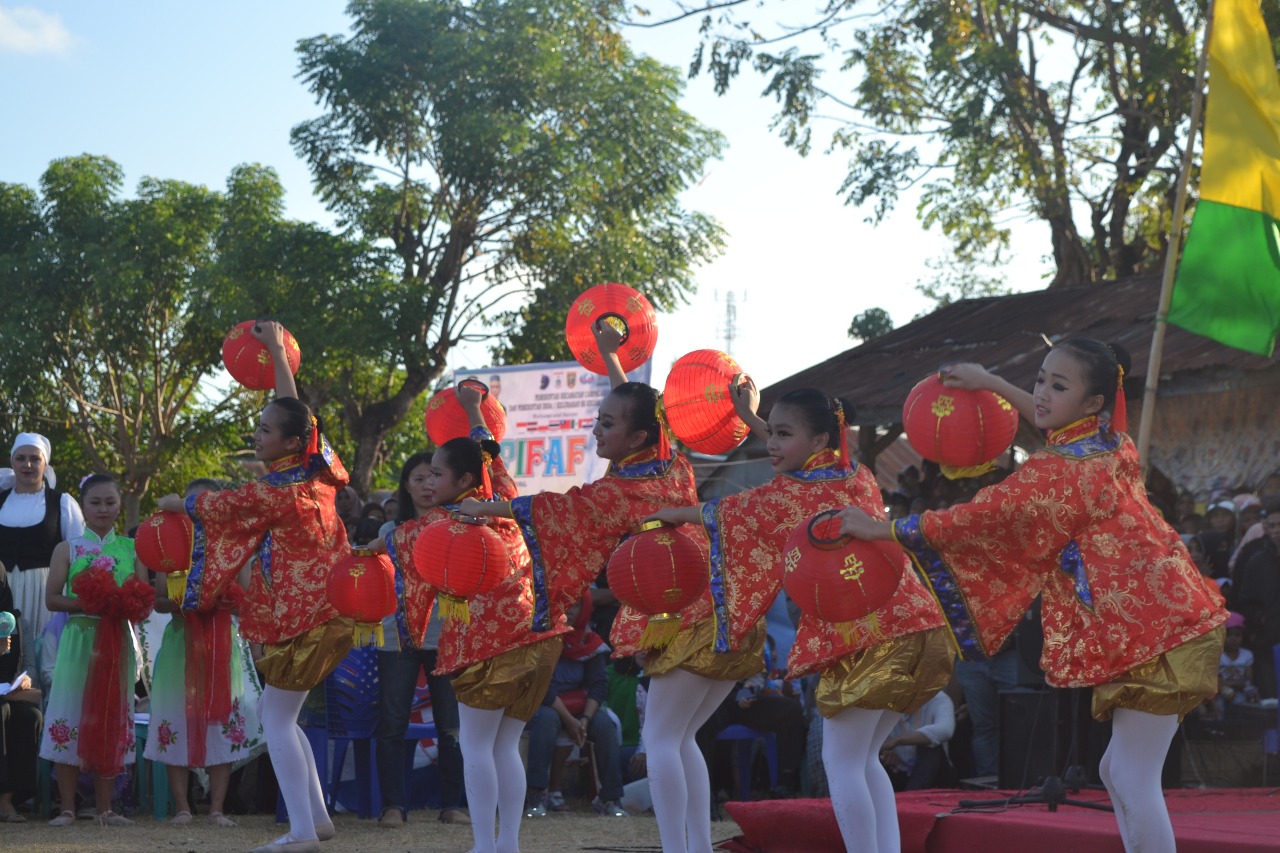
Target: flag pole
[(1171, 256)]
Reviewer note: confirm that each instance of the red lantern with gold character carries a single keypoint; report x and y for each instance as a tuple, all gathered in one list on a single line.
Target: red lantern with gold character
[(697, 403), (446, 419), (659, 571), (964, 431), (461, 557), (163, 543), (835, 578), (248, 361), (627, 310), (363, 586)]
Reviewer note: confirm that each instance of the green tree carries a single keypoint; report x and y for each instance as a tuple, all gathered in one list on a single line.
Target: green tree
[(108, 330), (870, 324), (495, 150), (1073, 114)]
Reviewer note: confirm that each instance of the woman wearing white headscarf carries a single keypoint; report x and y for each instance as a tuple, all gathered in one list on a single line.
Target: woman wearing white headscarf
[(34, 518)]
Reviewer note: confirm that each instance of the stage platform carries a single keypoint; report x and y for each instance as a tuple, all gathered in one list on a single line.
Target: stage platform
[(1239, 820)]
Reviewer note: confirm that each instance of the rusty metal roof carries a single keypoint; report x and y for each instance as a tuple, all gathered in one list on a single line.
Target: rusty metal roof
[(1003, 333)]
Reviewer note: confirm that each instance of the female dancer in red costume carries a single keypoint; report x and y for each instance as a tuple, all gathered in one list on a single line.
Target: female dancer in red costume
[(1125, 610)]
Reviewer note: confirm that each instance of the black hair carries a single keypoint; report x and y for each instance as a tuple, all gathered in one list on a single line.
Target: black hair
[(818, 411), (1102, 363), (94, 480), (642, 413), (366, 530), (371, 506), (405, 510), (462, 455), (297, 419), (206, 483)]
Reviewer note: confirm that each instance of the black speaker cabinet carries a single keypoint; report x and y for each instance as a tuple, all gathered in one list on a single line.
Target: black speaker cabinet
[(1035, 735)]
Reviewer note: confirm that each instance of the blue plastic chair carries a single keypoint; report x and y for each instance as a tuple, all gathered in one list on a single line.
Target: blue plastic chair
[(746, 738)]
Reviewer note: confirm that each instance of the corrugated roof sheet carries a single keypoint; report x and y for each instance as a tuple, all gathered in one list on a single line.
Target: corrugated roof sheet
[(1003, 333)]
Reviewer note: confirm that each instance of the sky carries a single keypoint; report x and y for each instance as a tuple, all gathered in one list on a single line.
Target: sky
[(188, 91)]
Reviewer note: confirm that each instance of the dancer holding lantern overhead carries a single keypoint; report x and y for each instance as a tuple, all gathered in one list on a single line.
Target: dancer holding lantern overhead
[(288, 520), (1125, 610), (570, 538), (874, 669), (501, 668)]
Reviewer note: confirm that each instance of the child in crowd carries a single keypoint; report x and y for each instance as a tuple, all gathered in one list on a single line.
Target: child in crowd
[(88, 721), (1125, 611), (204, 695)]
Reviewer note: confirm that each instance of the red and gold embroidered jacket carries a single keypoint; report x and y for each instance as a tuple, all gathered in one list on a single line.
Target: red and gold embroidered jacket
[(1073, 525), (288, 521)]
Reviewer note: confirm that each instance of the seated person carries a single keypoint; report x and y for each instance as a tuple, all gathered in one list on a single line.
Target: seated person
[(1235, 672), (573, 705), (768, 705), (915, 754), (20, 719)]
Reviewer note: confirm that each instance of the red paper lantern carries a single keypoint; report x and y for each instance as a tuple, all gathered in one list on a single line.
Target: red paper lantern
[(697, 404), (964, 431), (163, 543), (837, 578), (659, 571), (628, 310), (446, 419), (463, 559), (363, 586), (249, 362)]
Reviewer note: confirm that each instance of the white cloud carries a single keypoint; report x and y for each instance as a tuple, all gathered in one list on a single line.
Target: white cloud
[(27, 30)]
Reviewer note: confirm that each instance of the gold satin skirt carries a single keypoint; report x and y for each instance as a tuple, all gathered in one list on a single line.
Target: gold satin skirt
[(515, 681), (899, 675), (1171, 683), (302, 662), (693, 650)]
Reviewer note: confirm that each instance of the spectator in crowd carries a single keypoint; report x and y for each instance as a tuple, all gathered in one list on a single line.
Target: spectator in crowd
[(1256, 596), (1235, 671), (398, 665), (373, 510), (574, 705), (20, 718), (768, 705), (1221, 518), (34, 518), (915, 753)]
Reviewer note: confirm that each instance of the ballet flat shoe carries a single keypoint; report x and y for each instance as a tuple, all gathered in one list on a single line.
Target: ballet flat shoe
[(325, 831), (309, 846)]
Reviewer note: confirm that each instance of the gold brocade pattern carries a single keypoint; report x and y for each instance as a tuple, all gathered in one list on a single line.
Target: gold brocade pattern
[(307, 541), (901, 674), (303, 661), (1145, 596), (578, 530), (515, 681), (693, 650), (1173, 683)]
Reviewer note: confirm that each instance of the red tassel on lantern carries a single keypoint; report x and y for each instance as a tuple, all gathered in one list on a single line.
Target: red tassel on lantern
[(627, 310), (838, 579), (964, 431), (462, 558), (446, 419), (163, 543), (363, 586), (248, 361), (659, 571), (697, 404)]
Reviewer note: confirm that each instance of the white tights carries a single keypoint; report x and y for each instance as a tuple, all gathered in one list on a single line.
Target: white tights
[(679, 703), (494, 776), (1131, 770), (293, 761), (861, 793)]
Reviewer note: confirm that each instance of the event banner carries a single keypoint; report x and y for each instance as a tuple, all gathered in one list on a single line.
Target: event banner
[(551, 408)]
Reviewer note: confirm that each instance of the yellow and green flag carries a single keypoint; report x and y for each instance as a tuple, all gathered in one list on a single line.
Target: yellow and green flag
[(1228, 283)]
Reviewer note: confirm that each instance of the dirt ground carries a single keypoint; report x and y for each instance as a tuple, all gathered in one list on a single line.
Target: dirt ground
[(555, 833)]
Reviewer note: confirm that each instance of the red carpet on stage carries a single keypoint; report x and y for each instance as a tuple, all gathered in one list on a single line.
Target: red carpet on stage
[(1239, 820)]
